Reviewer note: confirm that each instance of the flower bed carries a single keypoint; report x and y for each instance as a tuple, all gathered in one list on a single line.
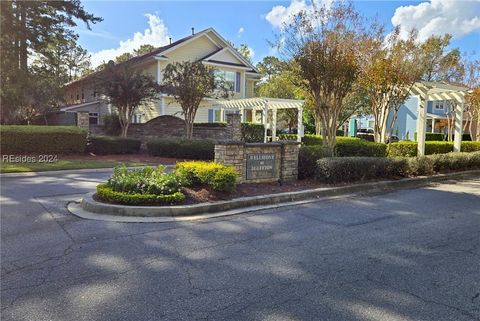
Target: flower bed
[(153, 186)]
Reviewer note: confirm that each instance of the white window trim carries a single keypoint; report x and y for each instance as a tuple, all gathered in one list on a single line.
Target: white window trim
[(438, 103)]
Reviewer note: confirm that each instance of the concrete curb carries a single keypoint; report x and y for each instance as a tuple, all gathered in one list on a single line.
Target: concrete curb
[(68, 171), (89, 208)]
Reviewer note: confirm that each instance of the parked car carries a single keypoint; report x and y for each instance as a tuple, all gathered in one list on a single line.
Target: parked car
[(392, 139)]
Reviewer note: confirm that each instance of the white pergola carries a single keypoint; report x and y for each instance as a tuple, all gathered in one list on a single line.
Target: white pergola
[(265, 105), (426, 91)]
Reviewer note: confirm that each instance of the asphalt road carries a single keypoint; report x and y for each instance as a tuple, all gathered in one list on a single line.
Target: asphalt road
[(408, 255)]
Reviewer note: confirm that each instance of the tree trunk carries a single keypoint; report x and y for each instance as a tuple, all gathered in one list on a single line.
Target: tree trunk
[(23, 53)]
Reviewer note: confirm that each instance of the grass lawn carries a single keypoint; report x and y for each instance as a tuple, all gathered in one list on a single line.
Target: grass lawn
[(62, 165)]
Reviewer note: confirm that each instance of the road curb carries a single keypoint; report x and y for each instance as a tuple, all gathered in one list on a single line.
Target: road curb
[(88, 207)]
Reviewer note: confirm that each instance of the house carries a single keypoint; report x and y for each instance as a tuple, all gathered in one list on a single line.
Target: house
[(440, 99), (207, 46)]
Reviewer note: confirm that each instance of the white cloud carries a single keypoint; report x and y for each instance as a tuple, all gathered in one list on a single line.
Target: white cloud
[(240, 31), (437, 17), (281, 15), (156, 34)]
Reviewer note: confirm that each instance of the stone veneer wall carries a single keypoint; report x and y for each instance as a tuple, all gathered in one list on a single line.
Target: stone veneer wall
[(171, 126), (235, 154)]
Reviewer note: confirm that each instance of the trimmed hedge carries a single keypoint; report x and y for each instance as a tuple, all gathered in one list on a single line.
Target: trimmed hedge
[(16, 139), (252, 133), (348, 148), (409, 149), (307, 159), (107, 194), (349, 169), (469, 146), (216, 176), (182, 148), (109, 145), (431, 137)]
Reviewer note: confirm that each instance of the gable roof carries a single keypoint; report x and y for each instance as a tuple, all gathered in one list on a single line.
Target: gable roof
[(160, 51)]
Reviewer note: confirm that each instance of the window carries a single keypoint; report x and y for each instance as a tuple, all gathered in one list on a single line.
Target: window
[(214, 115), (227, 76), (93, 118), (136, 118), (439, 105)]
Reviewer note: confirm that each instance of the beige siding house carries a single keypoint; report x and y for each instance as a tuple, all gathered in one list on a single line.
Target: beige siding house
[(206, 46)]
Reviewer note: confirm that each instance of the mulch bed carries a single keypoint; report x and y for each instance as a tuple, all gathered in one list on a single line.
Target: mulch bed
[(195, 195)]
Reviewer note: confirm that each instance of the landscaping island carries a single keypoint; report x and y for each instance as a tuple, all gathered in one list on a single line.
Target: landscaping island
[(198, 187)]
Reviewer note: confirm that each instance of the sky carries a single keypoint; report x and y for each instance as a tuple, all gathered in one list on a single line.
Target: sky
[(129, 24)]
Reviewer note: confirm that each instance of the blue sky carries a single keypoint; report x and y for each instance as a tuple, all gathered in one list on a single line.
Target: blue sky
[(127, 24)]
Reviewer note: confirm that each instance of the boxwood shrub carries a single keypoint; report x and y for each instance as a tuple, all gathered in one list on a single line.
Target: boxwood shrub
[(217, 176), (349, 169), (16, 139), (109, 145), (409, 149), (146, 186), (182, 148), (357, 147), (106, 193), (469, 146), (252, 133), (307, 159)]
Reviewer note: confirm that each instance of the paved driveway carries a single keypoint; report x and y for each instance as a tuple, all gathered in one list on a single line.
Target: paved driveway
[(407, 255)]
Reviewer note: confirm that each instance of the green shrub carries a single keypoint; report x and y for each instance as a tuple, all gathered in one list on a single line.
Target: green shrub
[(182, 148), (469, 146), (217, 176), (147, 180), (431, 136), (309, 139), (402, 149), (307, 159), (107, 194), (253, 133), (349, 169), (409, 149), (420, 166), (111, 124), (15, 139), (438, 147), (455, 161), (109, 145), (357, 147), (287, 137), (146, 186)]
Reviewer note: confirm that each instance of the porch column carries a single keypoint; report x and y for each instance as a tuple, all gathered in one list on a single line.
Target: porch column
[(273, 127), (265, 116), (433, 125), (222, 114), (421, 123), (300, 124), (242, 114), (458, 130)]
